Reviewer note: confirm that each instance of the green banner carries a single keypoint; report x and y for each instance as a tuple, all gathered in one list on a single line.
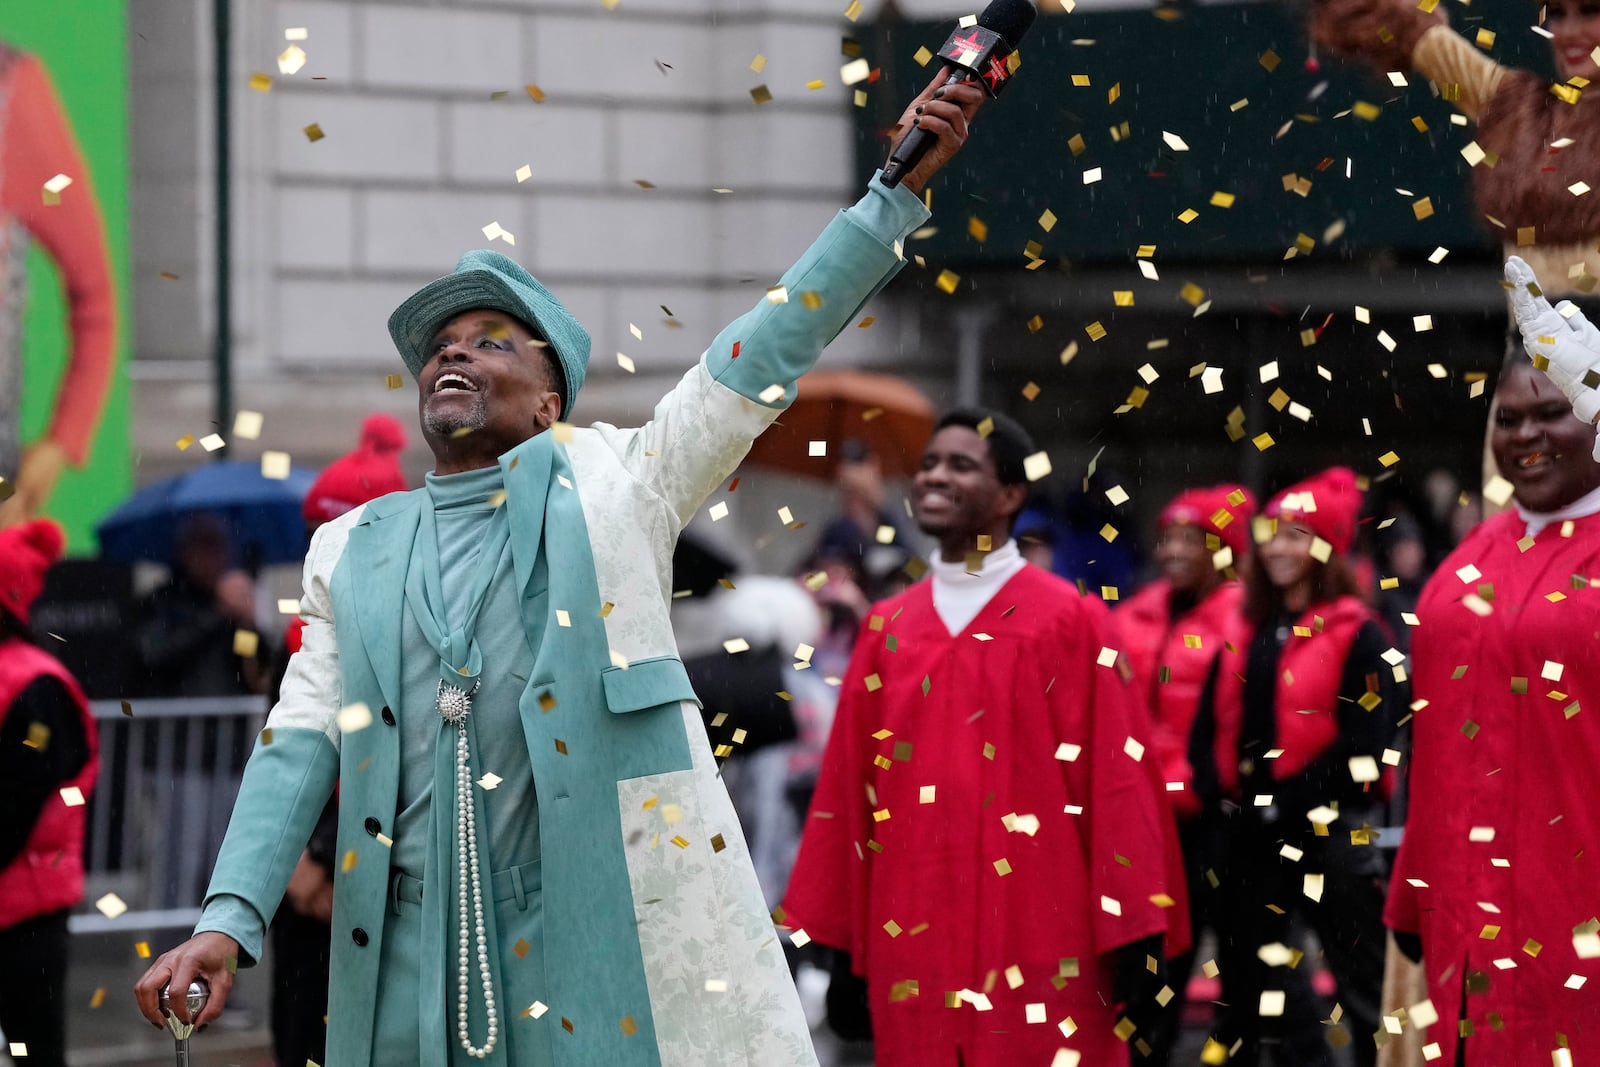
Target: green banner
[(82, 48), (1200, 129)]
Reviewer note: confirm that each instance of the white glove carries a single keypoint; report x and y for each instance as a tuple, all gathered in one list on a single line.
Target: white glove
[(1559, 340)]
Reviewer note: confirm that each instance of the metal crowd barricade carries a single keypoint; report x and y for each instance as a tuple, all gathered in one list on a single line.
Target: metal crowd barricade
[(169, 772)]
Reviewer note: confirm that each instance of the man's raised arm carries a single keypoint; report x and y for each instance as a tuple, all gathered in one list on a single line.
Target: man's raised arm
[(746, 378)]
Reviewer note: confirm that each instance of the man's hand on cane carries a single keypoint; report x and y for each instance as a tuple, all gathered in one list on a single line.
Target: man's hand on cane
[(1560, 341), (208, 955)]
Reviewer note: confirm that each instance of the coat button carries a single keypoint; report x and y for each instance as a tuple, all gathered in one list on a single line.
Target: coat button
[(372, 826), (359, 936), (388, 716)]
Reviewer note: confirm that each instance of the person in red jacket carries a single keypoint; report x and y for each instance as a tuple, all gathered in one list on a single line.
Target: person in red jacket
[(1495, 886), (1173, 629), (1287, 748), (49, 757)]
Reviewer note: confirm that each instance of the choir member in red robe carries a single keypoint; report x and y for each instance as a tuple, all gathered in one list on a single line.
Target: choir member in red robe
[(1289, 742), (1497, 884), (987, 836), (1173, 629)]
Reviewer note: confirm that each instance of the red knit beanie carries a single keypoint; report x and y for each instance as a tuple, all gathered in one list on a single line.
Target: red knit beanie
[(369, 472), (1222, 510), (1327, 504), (26, 553)]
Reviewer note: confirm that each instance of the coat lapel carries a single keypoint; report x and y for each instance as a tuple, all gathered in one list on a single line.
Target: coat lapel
[(526, 470), (378, 551)]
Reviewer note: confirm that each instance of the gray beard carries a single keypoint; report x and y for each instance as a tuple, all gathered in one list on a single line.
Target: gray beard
[(440, 424)]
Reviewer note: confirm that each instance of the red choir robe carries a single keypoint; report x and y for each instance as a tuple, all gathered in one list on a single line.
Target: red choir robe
[(1500, 865), (987, 827)]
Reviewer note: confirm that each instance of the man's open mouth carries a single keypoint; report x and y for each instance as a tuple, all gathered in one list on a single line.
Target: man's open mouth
[(451, 381)]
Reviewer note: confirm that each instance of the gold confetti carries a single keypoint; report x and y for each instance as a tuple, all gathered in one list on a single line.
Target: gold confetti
[(245, 643), (535, 93), (1221, 199), (98, 998), (948, 280), (314, 133), (1270, 60), (260, 82), (761, 95)]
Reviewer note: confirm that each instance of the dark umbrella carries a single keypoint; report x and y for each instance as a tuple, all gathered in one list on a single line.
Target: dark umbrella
[(262, 514)]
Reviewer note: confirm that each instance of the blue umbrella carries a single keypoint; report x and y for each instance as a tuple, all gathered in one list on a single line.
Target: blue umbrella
[(262, 514)]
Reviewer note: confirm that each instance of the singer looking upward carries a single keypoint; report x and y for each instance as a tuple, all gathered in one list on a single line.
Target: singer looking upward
[(538, 862)]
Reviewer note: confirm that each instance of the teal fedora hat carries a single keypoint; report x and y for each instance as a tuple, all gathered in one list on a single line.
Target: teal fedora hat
[(485, 279)]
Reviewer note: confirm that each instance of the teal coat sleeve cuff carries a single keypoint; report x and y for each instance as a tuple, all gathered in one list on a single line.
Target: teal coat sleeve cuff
[(231, 915), (286, 785), (781, 338)]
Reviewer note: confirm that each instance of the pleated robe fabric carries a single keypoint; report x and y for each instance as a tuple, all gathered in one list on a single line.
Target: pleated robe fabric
[(1499, 870), (985, 831)]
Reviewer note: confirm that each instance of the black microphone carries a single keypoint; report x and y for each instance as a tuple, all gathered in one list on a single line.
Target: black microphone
[(985, 53)]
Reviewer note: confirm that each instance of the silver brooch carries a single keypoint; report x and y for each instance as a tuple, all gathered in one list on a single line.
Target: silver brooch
[(455, 703)]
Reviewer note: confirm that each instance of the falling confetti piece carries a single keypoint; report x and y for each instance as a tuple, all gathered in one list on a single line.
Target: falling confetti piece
[(314, 133), (275, 465), (291, 59), (353, 717)]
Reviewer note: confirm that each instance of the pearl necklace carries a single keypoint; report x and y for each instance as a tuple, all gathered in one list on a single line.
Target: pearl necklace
[(454, 704)]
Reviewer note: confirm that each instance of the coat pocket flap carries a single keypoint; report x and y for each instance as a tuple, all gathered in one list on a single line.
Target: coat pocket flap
[(646, 684)]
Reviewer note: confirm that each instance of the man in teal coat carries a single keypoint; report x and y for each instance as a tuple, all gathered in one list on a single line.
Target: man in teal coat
[(538, 864)]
